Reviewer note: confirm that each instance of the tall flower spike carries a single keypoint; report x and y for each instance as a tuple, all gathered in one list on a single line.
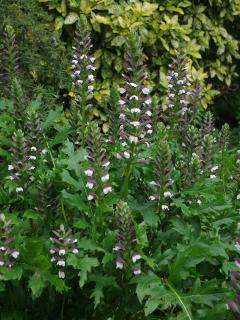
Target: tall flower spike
[(62, 245), (83, 70), (208, 124), (192, 155), (224, 137), (178, 94), (23, 161), (8, 253), (209, 167), (114, 114), (96, 171), (20, 103), (162, 185), (136, 114), (9, 59), (127, 258)]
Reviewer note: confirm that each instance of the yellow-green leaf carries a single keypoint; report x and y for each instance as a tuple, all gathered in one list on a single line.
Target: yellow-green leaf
[(71, 18)]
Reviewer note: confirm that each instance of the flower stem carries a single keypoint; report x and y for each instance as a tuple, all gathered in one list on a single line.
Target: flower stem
[(127, 179)]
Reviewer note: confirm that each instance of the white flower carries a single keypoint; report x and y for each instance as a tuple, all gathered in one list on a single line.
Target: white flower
[(90, 77), (105, 163), (91, 67), (105, 177), (152, 198), (135, 110), (167, 194), (79, 82), (74, 61), (52, 251), (182, 91), (237, 246), (92, 59), (145, 90), (83, 56), (32, 158), (31, 168), (133, 139), (107, 189), (124, 143), (122, 116), (75, 251), (137, 271), (135, 257), (1, 263), (180, 82), (61, 274), (175, 74), (61, 263), (238, 161), (121, 102), (182, 101), (214, 168), (11, 178), (212, 176), (77, 73), (53, 259), (122, 90), (119, 263), (153, 183), (238, 196), (165, 207), (237, 263), (133, 84), (19, 189), (88, 172), (133, 97), (148, 113), (89, 185), (149, 131), (90, 88), (118, 156), (2, 248), (126, 154), (90, 197), (135, 123), (34, 149), (148, 101), (44, 151), (194, 155), (62, 252), (10, 167), (170, 85), (15, 254)]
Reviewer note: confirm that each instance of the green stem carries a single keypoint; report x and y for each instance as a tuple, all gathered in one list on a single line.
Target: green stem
[(63, 212), (63, 305), (127, 179)]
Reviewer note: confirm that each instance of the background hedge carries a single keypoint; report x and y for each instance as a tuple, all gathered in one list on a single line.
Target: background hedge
[(206, 31)]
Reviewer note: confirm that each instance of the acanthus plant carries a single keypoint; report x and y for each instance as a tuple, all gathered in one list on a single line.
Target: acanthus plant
[(167, 255), (8, 252), (135, 117), (127, 257), (83, 75), (162, 185), (63, 244)]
